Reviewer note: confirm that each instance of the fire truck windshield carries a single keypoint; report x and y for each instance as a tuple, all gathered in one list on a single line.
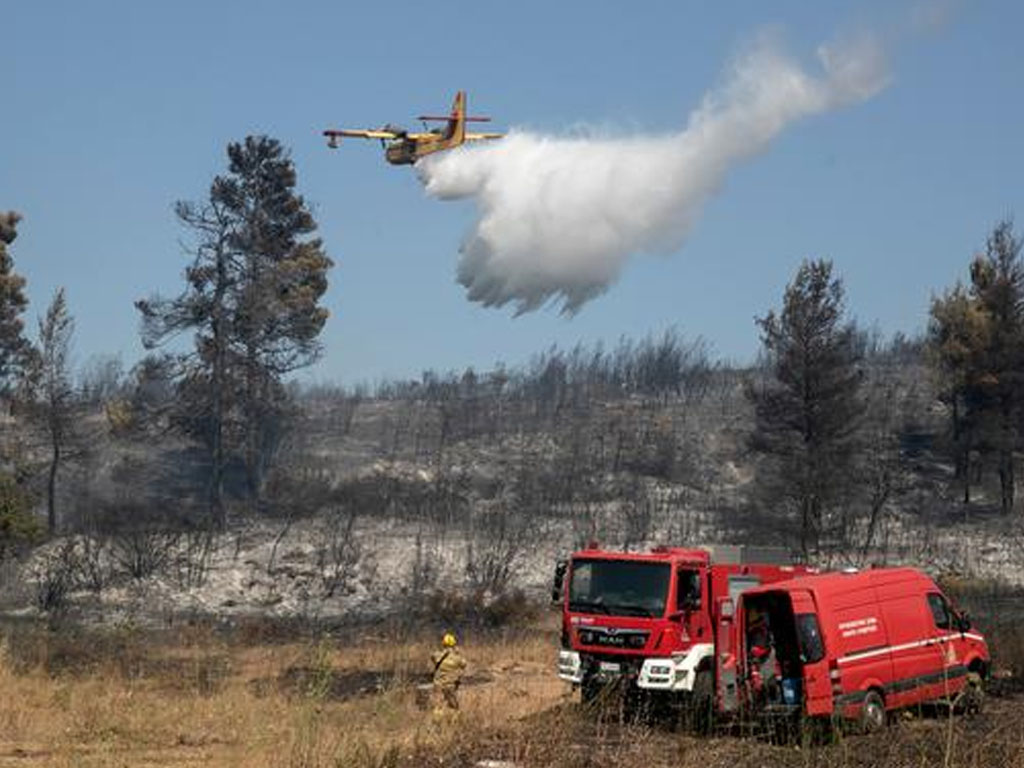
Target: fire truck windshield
[(619, 587)]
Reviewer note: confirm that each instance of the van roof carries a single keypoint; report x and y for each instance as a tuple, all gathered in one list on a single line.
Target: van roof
[(837, 581)]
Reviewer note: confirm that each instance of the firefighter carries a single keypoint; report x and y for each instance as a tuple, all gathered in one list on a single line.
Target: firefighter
[(761, 652), (448, 665)]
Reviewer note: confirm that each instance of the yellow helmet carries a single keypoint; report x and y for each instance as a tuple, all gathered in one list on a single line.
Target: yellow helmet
[(448, 641)]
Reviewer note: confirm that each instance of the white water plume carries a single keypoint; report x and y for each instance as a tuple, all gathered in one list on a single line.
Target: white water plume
[(559, 217)]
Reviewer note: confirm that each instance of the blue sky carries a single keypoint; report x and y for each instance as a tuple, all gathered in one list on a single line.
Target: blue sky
[(114, 110)]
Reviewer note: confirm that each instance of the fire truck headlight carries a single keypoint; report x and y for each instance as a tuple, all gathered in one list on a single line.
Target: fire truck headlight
[(660, 670)]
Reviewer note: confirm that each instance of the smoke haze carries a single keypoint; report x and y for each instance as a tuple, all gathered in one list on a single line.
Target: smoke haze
[(558, 217)]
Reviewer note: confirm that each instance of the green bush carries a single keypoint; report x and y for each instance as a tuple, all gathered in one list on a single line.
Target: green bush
[(19, 528)]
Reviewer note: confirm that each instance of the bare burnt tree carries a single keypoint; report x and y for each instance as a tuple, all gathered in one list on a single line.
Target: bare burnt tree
[(880, 466), (101, 380), (195, 548), (152, 392), (137, 536), (53, 574), (299, 488), (334, 406), (338, 550), (660, 366), (54, 403), (637, 509), (423, 569), (497, 541), (142, 552), (93, 563)]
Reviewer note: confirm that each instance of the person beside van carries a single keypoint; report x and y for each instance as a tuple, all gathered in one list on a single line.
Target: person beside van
[(763, 663)]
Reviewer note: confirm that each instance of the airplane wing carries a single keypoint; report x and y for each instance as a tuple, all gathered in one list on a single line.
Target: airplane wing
[(361, 134), (483, 136)]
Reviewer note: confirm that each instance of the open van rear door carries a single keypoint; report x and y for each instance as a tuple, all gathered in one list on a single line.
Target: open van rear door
[(725, 655), (817, 684)]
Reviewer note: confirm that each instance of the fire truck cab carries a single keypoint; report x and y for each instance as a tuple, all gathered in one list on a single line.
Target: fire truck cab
[(651, 620)]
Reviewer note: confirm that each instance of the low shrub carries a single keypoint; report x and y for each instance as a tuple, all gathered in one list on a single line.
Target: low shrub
[(481, 609)]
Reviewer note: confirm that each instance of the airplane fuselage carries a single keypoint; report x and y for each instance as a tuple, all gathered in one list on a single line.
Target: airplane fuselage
[(401, 153), (410, 148)]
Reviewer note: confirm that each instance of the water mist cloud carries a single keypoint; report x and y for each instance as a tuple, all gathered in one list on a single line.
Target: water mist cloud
[(559, 217)]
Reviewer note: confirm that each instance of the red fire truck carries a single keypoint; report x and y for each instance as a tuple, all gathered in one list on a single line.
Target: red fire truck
[(649, 620)]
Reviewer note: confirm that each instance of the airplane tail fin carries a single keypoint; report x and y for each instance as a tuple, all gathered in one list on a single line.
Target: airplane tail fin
[(457, 120)]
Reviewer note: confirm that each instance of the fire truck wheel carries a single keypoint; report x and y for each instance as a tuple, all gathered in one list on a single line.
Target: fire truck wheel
[(872, 713), (704, 701), (698, 711)]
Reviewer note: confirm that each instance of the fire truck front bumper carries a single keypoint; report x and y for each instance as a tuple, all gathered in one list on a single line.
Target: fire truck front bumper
[(570, 666), (674, 673)]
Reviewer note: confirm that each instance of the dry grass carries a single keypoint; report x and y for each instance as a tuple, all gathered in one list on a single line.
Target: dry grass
[(198, 700), (125, 698)]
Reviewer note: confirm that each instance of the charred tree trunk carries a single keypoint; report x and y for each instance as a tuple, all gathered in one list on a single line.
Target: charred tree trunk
[(51, 488)]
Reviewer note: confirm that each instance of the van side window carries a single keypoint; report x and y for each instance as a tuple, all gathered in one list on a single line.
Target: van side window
[(939, 611), (812, 649)]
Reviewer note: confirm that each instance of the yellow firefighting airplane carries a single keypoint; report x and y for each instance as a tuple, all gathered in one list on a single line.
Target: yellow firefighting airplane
[(404, 148)]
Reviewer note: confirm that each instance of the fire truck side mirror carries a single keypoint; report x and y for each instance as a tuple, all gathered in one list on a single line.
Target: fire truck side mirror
[(963, 622), (559, 580)]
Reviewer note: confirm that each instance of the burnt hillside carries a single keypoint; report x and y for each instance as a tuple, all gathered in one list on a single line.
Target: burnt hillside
[(471, 484)]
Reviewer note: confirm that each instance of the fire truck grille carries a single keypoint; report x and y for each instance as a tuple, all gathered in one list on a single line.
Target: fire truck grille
[(612, 637)]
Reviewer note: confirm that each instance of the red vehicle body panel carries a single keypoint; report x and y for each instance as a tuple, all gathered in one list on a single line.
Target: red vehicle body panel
[(666, 635), (626, 641), (890, 630)]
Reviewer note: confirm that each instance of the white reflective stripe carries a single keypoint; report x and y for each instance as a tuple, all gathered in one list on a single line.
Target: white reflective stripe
[(856, 656)]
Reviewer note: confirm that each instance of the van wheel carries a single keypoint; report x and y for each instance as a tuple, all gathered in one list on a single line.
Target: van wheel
[(872, 713)]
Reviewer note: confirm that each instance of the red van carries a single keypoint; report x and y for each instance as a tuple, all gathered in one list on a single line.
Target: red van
[(853, 645)]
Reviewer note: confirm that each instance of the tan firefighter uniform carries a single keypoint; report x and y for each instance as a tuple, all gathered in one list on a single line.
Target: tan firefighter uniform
[(448, 665)]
